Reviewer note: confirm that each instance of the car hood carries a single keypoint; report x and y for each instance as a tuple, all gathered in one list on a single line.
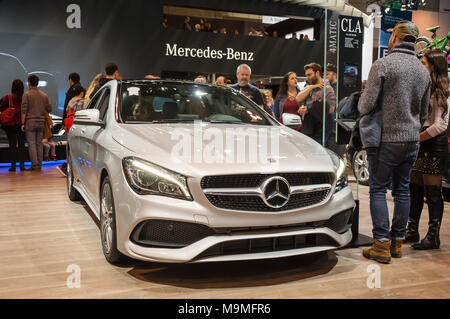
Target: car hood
[(172, 146)]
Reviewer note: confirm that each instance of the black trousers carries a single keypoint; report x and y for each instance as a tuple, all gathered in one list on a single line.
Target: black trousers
[(16, 140)]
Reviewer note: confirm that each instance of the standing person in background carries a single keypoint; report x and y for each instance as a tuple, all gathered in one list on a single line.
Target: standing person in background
[(431, 162), (398, 86), (312, 98), (268, 100), (285, 100), (75, 104), (47, 141), (187, 24), (92, 87), (200, 79), (202, 24), (263, 32), (243, 74), (15, 135), (221, 80), (112, 73), (35, 104), (73, 80), (332, 76)]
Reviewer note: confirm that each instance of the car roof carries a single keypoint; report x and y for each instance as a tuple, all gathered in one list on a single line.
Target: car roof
[(160, 81), (169, 81)]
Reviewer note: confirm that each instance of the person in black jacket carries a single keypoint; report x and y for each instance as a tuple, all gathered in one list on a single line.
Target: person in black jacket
[(112, 73), (74, 79)]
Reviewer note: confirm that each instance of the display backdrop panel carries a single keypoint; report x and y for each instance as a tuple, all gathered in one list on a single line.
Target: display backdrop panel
[(60, 37)]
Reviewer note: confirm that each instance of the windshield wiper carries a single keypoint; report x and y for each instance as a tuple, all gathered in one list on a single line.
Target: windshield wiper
[(224, 122), (171, 121)]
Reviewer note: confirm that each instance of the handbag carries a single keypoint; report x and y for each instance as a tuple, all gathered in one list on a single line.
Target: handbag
[(370, 129), (68, 121), (7, 117)]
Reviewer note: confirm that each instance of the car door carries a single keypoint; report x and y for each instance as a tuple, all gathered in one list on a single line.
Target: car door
[(89, 135), (79, 146)]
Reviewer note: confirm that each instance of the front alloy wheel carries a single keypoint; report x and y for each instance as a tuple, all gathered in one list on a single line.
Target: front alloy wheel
[(108, 224), (361, 167)]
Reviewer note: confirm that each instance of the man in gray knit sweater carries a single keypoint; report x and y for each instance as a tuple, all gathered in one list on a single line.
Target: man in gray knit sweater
[(399, 86), (35, 104)]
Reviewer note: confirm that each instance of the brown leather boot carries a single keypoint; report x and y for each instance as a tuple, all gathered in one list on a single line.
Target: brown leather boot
[(396, 248), (380, 251)]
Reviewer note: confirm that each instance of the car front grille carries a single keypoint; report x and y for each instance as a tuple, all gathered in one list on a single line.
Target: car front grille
[(264, 245), (254, 203), (243, 192), (254, 180)]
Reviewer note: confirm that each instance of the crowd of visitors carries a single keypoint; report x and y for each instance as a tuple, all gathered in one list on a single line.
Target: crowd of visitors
[(202, 25)]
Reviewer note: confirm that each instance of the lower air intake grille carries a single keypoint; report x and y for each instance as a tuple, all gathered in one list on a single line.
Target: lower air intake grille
[(169, 234), (263, 245)]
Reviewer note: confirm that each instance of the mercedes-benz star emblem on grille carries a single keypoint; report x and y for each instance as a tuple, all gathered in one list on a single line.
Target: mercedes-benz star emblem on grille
[(276, 191)]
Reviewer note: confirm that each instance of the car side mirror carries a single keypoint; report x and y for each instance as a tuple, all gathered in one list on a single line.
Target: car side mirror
[(88, 117), (292, 120)]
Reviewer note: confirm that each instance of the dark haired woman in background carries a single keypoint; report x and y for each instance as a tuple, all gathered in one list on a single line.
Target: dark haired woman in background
[(431, 162), (285, 101), (14, 132)]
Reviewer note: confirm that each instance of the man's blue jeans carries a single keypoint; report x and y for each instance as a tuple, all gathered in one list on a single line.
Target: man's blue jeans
[(391, 163)]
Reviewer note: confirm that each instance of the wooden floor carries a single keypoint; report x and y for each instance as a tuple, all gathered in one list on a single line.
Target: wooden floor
[(42, 233)]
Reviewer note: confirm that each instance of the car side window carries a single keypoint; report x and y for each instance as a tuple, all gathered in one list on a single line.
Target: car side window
[(94, 101), (102, 106)]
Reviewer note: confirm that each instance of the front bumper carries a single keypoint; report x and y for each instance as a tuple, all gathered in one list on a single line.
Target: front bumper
[(133, 209)]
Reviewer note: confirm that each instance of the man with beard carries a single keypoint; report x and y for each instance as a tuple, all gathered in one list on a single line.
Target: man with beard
[(312, 109), (398, 87), (243, 85)]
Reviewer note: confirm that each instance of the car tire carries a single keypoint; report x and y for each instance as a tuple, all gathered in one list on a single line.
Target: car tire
[(73, 194), (360, 167), (108, 230)]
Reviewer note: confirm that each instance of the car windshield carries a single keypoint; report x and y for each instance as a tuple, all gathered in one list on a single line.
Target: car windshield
[(161, 102)]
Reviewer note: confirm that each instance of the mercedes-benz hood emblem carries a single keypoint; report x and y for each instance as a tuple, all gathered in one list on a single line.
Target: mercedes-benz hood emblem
[(276, 191)]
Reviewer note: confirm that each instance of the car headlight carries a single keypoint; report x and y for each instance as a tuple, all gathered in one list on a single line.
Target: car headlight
[(341, 171), (146, 178)]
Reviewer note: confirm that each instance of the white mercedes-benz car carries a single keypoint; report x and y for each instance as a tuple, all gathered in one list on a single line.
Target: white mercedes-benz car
[(184, 172)]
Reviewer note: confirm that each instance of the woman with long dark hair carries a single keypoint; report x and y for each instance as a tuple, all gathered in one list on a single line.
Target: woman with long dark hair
[(431, 164), (14, 132), (285, 101)]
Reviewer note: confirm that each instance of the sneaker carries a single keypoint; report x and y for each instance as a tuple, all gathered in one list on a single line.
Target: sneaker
[(33, 169), (12, 169), (62, 170), (53, 157)]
